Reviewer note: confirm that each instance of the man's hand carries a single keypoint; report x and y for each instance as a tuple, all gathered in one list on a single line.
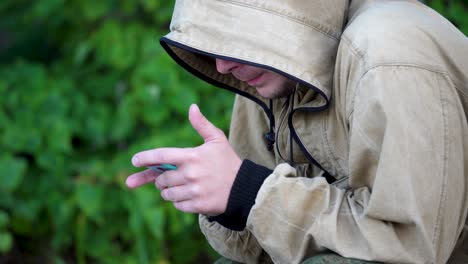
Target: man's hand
[(204, 176)]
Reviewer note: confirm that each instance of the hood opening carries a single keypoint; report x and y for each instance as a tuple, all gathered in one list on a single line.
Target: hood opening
[(197, 63)]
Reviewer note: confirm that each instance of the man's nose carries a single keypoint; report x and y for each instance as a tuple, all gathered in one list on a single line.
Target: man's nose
[(225, 66)]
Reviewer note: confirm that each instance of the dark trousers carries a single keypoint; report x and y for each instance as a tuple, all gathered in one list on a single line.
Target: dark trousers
[(320, 259)]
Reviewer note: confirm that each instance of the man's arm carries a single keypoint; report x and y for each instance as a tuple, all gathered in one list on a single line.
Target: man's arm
[(247, 140), (408, 201), (202, 181)]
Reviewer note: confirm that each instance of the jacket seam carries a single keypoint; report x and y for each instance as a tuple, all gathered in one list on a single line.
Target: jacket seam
[(462, 93), (359, 56), (406, 65), (316, 28), (352, 47), (338, 181), (443, 104), (443, 196), (331, 150)]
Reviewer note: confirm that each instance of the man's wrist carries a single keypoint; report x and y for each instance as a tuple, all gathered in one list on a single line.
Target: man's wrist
[(249, 179)]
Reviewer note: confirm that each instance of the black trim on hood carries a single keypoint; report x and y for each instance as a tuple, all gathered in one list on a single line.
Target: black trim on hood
[(165, 42)]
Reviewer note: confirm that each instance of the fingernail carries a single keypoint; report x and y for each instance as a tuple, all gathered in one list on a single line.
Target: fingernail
[(129, 182), (194, 107), (135, 161)]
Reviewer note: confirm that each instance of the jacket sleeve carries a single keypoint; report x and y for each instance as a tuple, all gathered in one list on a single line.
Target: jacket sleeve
[(240, 246), (407, 201), (246, 137)]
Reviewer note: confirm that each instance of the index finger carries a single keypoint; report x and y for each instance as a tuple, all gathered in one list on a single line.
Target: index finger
[(160, 156), (140, 178)]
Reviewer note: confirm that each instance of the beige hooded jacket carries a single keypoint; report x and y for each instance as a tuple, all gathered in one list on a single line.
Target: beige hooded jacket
[(380, 109)]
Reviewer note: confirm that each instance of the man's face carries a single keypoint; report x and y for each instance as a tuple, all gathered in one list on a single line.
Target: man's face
[(268, 84)]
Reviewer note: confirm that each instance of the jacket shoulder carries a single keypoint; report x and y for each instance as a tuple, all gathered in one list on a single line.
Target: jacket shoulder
[(407, 33)]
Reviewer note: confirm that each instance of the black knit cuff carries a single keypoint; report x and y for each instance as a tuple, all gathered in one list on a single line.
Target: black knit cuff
[(249, 179)]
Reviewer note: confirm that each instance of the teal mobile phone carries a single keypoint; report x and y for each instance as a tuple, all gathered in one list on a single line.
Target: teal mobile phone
[(163, 167)]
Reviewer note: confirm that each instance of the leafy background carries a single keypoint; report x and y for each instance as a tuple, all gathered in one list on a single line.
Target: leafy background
[(83, 85)]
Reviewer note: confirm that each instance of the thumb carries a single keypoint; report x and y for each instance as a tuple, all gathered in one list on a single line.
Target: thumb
[(204, 127)]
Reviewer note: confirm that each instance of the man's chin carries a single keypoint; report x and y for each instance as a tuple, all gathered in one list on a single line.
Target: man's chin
[(270, 93), (266, 94)]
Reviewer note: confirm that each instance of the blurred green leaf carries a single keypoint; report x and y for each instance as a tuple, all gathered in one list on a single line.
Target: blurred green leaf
[(117, 43), (46, 8), (81, 232), (92, 10), (24, 216), (6, 241), (89, 199), (11, 173), (96, 88), (151, 5), (155, 219), (136, 224), (4, 219), (50, 160)]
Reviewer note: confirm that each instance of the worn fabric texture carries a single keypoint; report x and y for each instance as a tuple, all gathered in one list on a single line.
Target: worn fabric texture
[(380, 105)]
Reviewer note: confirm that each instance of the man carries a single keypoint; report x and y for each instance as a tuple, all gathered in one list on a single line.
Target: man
[(349, 131)]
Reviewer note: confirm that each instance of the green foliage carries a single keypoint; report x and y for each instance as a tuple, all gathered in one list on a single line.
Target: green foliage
[(84, 85), (454, 10)]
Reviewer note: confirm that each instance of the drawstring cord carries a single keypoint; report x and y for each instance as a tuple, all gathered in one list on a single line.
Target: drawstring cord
[(291, 141), (328, 176), (270, 136)]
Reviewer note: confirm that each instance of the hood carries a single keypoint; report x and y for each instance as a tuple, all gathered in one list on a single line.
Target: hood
[(295, 38)]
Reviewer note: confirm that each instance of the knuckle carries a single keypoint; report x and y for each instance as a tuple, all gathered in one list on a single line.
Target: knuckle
[(192, 155), (150, 175), (190, 176), (220, 132), (194, 191), (145, 176), (157, 155)]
